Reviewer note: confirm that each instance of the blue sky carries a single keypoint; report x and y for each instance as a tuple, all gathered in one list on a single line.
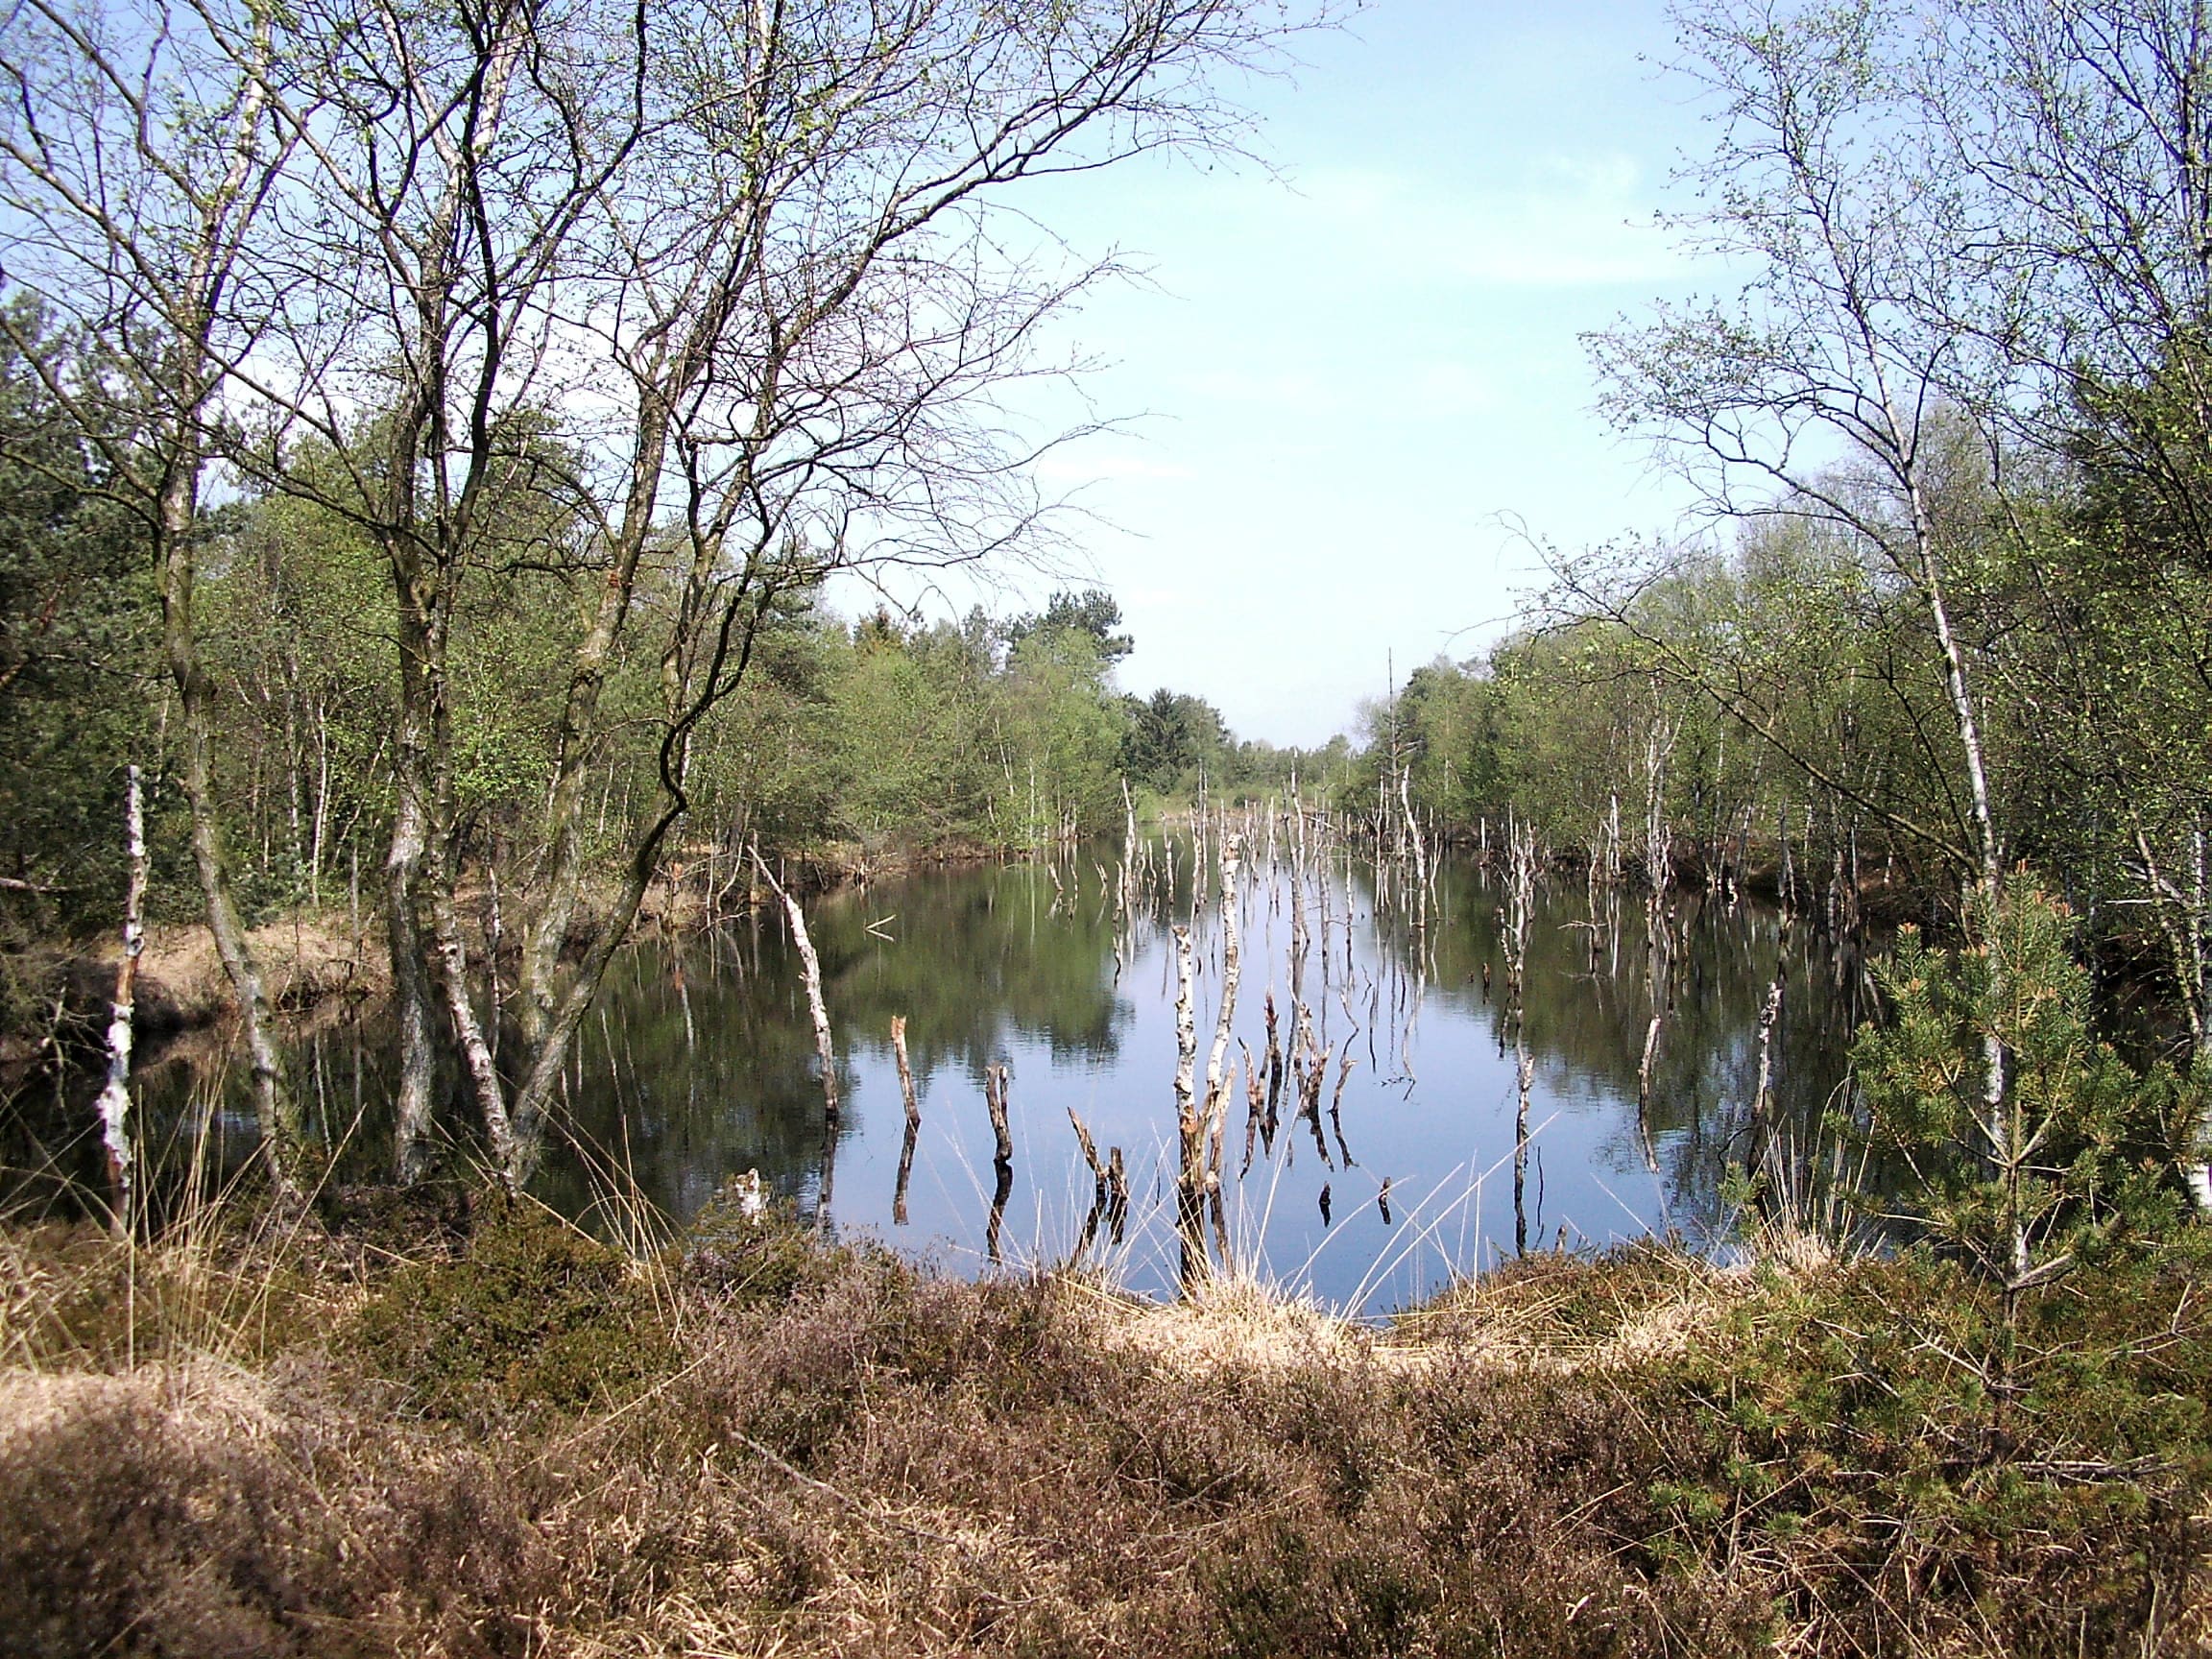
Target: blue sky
[(1352, 373)]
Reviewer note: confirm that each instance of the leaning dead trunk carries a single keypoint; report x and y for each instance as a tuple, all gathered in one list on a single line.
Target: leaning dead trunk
[(1102, 1179), (810, 972), (468, 1032)]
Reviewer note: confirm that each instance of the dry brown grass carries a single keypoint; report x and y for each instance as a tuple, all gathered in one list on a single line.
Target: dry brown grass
[(1230, 1324), (1578, 1313), (305, 959), (831, 1453)]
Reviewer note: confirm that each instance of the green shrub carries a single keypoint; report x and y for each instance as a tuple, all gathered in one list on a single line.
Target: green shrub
[(531, 1313), (1914, 1461), (2071, 1150)]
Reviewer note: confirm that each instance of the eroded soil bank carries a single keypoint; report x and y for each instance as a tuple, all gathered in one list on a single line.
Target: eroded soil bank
[(311, 959)]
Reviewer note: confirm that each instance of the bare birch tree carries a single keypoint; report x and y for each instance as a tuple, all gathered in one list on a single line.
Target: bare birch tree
[(1824, 392), (138, 153), (2085, 133), (689, 307), (726, 287)]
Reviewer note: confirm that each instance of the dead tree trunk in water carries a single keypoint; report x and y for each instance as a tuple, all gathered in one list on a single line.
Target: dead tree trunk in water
[(1521, 904), (1189, 1121), (913, 1119), (1255, 1105), (1204, 1173), (1110, 1192), (1762, 1089), (1002, 1159), (810, 969), (995, 1103), (1267, 1123), (1525, 1076), (1418, 852), (1658, 871)]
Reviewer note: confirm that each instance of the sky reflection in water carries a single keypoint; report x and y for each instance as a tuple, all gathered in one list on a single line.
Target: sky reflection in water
[(698, 1064)]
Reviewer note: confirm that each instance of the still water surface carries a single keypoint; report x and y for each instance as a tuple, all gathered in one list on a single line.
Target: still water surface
[(698, 1065)]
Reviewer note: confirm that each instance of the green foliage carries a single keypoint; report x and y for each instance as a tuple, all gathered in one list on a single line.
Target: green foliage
[(1058, 704), (531, 1313), (1443, 730), (909, 738), (934, 739), (1925, 1457), (2074, 1150), (1172, 736), (757, 1260), (1092, 612), (78, 631)]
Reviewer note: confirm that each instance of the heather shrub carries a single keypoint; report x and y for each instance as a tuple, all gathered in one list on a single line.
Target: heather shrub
[(529, 1313)]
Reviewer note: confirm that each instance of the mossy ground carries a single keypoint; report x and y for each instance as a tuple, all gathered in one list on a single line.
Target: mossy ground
[(516, 1440)]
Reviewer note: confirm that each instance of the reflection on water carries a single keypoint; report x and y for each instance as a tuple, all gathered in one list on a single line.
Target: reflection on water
[(1378, 1084)]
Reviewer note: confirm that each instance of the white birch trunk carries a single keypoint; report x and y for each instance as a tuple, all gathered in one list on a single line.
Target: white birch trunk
[(810, 971), (114, 1105)]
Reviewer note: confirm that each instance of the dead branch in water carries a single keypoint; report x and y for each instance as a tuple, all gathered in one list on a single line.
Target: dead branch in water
[(913, 1120), (1255, 1104), (810, 969)]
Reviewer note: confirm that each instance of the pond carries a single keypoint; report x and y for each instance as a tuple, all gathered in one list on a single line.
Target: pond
[(697, 1063)]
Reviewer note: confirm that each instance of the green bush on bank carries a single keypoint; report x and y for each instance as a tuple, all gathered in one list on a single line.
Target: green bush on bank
[(1906, 1455), (529, 1313)]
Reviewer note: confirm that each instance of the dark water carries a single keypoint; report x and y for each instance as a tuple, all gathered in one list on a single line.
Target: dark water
[(698, 1064)]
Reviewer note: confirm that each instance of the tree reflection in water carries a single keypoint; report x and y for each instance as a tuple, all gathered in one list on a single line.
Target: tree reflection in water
[(698, 1065)]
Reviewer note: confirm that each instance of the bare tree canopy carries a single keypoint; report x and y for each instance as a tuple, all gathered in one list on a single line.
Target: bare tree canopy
[(687, 307)]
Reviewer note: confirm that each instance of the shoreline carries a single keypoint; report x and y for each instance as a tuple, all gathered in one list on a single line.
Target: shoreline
[(310, 959)]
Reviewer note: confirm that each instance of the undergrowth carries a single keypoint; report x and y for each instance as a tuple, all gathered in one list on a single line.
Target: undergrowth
[(516, 1440), (530, 1312)]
